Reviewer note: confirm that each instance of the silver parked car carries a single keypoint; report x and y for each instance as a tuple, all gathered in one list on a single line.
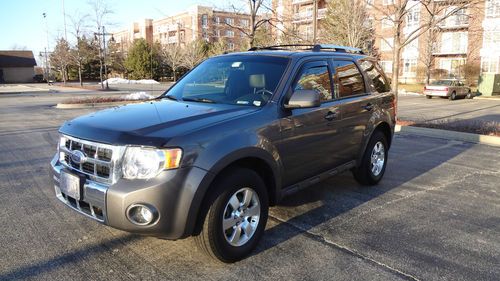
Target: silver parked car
[(447, 88)]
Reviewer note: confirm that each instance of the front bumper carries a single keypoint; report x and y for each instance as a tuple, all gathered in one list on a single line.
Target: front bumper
[(171, 194)]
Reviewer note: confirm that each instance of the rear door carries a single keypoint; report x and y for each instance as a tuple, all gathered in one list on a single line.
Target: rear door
[(357, 104), (311, 137)]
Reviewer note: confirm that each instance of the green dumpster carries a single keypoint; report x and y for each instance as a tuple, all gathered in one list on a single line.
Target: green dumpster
[(489, 84)]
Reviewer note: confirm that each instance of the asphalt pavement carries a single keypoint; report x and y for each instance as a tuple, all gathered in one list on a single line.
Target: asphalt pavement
[(418, 108), (434, 216)]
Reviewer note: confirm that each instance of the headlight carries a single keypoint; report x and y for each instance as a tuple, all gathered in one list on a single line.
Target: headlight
[(146, 163)]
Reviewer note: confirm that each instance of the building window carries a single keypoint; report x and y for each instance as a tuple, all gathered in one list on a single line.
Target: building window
[(491, 40), (229, 21), (386, 44), (229, 33), (454, 67), (492, 8), (454, 43), (216, 20), (244, 22), (388, 2), (409, 67), (413, 16), (217, 33), (490, 64), (386, 66), (204, 20), (230, 46)]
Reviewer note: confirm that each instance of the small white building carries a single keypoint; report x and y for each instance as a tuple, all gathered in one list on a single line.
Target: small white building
[(17, 66)]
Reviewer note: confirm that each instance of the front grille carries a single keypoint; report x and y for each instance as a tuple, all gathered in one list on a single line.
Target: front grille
[(101, 159)]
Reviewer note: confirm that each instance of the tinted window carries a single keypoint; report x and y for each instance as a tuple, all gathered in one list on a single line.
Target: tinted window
[(347, 79), (441, 83), (315, 78), (376, 76)]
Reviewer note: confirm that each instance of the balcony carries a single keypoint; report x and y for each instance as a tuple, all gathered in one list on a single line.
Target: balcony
[(307, 16)]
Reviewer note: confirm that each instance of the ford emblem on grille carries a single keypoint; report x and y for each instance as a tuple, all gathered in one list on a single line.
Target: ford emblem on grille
[(78, 157)]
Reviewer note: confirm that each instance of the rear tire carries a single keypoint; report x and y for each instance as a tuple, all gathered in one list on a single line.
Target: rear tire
[(453, 96), (428, 97), (237, 216), (372, 166)]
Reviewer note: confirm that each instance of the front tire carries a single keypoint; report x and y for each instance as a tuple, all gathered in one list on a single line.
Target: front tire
[(236, 218), (372, 166), (469, 95), (428, 97)]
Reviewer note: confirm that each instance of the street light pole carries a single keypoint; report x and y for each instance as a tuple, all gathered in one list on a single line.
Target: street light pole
[(103, 34)]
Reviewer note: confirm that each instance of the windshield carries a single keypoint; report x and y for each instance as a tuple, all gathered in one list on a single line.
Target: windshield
[(441, 83), (239, 80)]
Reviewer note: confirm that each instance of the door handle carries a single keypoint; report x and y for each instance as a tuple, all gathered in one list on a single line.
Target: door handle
[(368, 106), (331, 115)]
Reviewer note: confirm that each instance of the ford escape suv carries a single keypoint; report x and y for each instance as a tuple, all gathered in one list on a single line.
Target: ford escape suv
[(234, 136)]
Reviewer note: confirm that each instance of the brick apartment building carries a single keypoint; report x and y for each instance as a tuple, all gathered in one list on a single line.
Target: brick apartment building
[(463, 46), (196, 23)]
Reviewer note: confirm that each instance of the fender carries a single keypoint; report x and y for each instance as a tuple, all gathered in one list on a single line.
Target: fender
[(222, 154)]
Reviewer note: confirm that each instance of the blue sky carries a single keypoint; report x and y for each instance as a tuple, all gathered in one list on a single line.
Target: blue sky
[(22, 23)]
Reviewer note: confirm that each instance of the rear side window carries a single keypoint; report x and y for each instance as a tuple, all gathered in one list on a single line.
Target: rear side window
[(376, 76), (347, 79), (315, 78)]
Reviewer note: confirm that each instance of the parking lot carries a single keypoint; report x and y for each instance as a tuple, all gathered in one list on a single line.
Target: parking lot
[(435, 216)]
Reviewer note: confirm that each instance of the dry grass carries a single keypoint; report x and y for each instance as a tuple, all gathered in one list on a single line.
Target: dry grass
[(489, 128)]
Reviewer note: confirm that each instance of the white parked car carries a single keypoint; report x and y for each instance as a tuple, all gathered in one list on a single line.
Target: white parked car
[(450, 89)]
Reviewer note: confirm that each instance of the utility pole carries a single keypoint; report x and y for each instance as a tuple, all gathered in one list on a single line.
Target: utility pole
[(47, 66), (315, 20), (103, 62), (64, 17)]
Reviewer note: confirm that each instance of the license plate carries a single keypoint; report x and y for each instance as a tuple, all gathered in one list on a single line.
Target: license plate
[(70, 185)]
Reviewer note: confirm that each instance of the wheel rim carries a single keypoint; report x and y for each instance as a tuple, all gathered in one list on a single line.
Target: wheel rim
[(241, 217), (377, 158)]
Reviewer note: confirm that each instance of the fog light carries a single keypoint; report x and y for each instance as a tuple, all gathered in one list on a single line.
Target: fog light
[(140, 214)]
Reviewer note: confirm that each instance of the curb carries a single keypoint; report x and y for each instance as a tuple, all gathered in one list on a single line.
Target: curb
[(92, 105), (449, 135), (487, 98)]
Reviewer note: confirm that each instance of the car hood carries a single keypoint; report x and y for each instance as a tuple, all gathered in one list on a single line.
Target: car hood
[(149, 123)]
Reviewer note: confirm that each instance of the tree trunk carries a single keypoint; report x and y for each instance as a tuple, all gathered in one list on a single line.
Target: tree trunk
[(80, 74)]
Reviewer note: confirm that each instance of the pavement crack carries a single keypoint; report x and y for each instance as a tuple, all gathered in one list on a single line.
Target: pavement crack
[(318, 237)]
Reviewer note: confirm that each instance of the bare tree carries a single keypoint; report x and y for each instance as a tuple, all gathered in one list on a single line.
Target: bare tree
[(194, 53), (100, 12), (257, 18), (345, 23), (78, 53), (173, 54), (435, 12)]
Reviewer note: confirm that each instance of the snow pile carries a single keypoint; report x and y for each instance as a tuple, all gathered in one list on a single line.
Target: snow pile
[(138, 96), (111, 81)]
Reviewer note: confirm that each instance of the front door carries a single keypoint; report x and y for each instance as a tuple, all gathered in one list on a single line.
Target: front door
[(310, 137)]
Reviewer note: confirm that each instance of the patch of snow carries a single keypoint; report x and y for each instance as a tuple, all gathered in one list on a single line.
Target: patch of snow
[(112, 81), (138, 96)]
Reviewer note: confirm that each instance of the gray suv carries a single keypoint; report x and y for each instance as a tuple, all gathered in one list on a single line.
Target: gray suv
[(234, 136)]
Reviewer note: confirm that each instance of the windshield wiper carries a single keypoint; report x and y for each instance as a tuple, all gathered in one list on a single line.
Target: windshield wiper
[(199, 100)]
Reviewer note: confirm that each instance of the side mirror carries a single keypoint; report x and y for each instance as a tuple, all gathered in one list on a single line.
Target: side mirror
[(303, 99)]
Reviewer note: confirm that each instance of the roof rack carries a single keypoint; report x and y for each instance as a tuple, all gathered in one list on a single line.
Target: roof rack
[(314, 48)]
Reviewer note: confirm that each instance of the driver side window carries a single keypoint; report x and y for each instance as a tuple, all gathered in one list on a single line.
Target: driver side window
[(315, 78)]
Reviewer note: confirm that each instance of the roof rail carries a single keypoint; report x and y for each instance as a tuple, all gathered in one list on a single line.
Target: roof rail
[(311, 47), (336, 48)]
